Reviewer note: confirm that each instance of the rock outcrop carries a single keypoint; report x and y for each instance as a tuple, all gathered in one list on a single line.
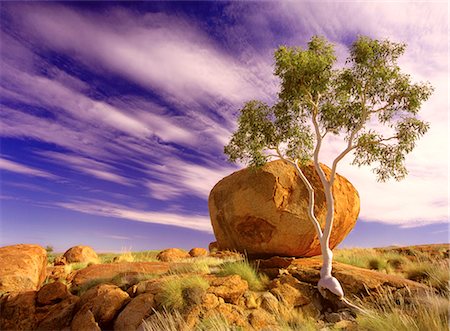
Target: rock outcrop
[(264, 212), (84, 254), (172, 254), (23, 267), (109, 271)]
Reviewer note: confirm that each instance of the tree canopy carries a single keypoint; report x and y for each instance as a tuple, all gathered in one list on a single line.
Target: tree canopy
[(370, 102)]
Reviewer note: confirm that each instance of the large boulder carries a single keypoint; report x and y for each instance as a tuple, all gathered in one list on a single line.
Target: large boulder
[(23, 267), (84, 254), (172, 255), (135, 312), (263, 212)]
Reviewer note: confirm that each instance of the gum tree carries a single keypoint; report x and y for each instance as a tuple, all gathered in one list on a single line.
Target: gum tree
[(369, 103)]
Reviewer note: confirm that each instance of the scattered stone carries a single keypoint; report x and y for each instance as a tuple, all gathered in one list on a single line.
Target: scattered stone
[(57, 316), (261, 319), (229, 288), (135, 312), (59, 261), (234, 315), (105, 301), (57, 273), (289, 295), (52, 293), (17, 311), (80, 253), (268, 302), (209, 301), (172, 254), (23, 267), (213, 247), (196, 252), (264, 212), (84, 320)]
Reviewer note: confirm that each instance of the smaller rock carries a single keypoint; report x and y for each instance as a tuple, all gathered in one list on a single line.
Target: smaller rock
[(210, 301), (105, 301), (234, 315), (260, 319), (230, 288), (213, 247), (333, 317), (85, 254), (52, 293), (250, 300), (172, 254), (17, 311), (289, 295), (57, 316), (346, 325), (57, 273), (268, 302), (196, 252), (137, 310), (60, 260), (84, 320)]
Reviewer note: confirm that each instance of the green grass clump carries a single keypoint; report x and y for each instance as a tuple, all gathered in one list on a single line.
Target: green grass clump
[(80, 290), (196, 267), (164, 320), (216, 323), (408, 314), (171, 294), (378, 263), (255, 280)]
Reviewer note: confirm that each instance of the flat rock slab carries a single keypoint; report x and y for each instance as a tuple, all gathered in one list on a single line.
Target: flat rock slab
[(109, 271), (354, 280), (23, 267)]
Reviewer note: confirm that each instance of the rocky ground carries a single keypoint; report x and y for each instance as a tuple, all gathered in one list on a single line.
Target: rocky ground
[(198, 290)]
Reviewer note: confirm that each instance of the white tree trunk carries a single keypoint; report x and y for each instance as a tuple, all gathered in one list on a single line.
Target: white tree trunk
[(327, 281)]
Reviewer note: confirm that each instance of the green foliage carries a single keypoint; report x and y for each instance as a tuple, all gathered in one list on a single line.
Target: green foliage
[(370, 92), (256, 281), (171, 295), (199, 267)]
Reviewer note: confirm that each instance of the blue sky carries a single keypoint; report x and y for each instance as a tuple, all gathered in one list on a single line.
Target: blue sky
[(114, 116)]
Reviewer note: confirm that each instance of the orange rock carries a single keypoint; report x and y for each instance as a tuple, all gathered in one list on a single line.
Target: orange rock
[(354, 280), (52, 293), (196, 252), (213, 247), (234, 315), (105, 301), (84, 321), (110, 270), (264, 212), (23, 267), (138, 309), (17, 311), (261, 319), (172, 254), (229, 288), (80, 254), (57, 316)]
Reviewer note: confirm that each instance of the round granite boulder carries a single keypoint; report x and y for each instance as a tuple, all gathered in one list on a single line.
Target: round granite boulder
[(263, 212)]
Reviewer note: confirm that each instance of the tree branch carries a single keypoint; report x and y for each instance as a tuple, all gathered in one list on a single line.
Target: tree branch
[(310, 189)]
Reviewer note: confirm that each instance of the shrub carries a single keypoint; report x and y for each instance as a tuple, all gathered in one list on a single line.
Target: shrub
[(171, 295), (197, 267), (255, 280)]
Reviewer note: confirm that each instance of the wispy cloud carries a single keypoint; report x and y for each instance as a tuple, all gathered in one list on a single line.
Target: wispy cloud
[(8, 165), (196, 222), (89, 166)]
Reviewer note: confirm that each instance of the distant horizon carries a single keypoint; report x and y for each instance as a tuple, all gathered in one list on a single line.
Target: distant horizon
[(113, 116)]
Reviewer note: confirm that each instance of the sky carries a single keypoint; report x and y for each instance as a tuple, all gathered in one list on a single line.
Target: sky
[(113, 116)]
